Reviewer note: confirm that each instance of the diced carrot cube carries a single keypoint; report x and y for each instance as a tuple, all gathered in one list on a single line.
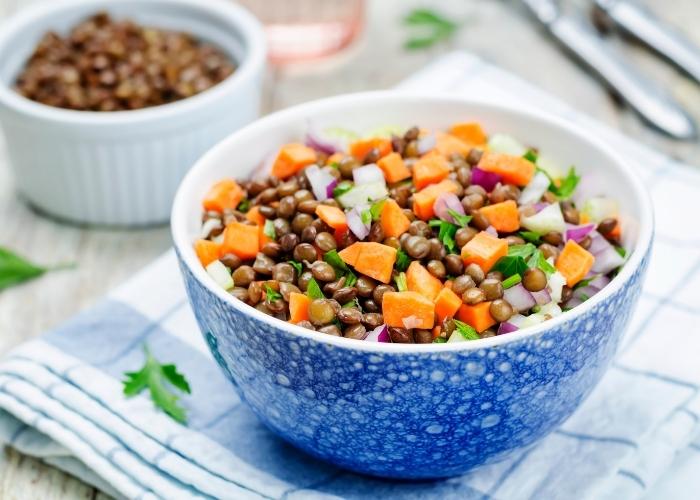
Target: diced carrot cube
[(430, 169), (424, 199), (484, 250), (242, 240), (418, 279), (298, 307), (394, 168), (376, 261), (397, 306), (207, 251), (512, 169), (477, 316), (291, 159), (574, 262), (360, 149), (333, 216), (448, 144), (393, 221), (225, 194), (469, 132), (447, 303), (503, 216)]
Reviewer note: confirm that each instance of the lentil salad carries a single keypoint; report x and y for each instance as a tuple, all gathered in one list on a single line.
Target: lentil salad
[(415, 236)]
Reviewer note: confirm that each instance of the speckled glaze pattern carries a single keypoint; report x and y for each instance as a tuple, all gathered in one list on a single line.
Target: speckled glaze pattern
[(413, 415)]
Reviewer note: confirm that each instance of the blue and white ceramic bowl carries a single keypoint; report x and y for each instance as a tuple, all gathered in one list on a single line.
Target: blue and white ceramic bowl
[(413, 411)]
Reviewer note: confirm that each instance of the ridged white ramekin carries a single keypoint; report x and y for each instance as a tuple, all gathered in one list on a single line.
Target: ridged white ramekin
[(123, 168)]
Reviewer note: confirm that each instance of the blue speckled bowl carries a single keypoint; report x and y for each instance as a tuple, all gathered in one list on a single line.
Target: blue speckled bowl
[(413, 411)]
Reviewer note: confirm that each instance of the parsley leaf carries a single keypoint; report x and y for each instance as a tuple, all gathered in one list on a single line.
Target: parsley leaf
[(530, 236), (567, 186), (298, 266), (446, 233), (402, 260), (531, 156), (271, 294), (15, 269), (621, 251), (462, 220), (376, 209), (342, 188), (439, 340), (350, 278), (334, 260), (436, 27), (523, 251), (510, 265), (269, 229), (537, 260), (401, 285), (313, 291), (156, 378), (512, 281), (334, 164), (465, 330), (244, 205), (366, 217), (353, 303)]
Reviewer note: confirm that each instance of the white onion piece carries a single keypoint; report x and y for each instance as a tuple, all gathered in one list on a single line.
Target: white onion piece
[(600, 208), (359, 195), (220, 274), (355, 224), (550, 167), (492, 231), (411, 322), (548, 219), (367, 174), (555, 284), (585, 292), (542, 297), (534, 191), (426, 144), (379, 334), (598, 243), (319, 180), (504, 143), (446, 202), (517, 320), (209, 226), (315, 139), (599, 282), (552, 309), (607, 260), (518, 297), (533, 319)]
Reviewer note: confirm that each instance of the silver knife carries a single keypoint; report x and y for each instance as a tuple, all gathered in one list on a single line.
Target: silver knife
[(648, 29), (646, 98)]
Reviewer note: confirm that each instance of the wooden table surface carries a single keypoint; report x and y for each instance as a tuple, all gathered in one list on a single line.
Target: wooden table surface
[(495, 29)]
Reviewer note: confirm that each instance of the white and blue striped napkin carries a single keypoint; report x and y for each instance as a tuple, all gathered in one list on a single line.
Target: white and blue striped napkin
[(637, 436)]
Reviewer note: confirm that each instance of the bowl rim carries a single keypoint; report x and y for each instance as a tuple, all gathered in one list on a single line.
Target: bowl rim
[(248, 27), (184, 249)]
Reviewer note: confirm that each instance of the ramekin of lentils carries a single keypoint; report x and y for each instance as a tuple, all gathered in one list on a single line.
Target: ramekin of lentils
[(105, 104), (419, 236), (105, 64)]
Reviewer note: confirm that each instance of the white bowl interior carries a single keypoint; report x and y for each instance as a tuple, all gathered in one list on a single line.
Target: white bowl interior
[(242, 154)]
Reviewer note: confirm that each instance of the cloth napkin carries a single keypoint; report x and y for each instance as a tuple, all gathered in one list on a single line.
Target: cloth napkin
[(636, 436)]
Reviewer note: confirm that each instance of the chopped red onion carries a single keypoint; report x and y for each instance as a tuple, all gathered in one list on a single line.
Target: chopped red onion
[(518, 297), (319, 180), (599, 282), (540, 206), (598, 243), (492, 231), (486, 180), (578, 233), (542, 297), (585, 292), (330, 188), (379, 334), (368, 174), (446, 202), (316, 140), (573, 302), (354, 220), (426, 144), (411, 322), (506, 327), (606, 260)]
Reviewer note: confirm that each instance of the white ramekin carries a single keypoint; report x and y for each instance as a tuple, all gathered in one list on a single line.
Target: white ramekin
[(123, 168)]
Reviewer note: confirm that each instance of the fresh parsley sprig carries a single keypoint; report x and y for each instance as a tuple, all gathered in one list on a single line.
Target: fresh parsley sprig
[(15, 269), (158, 379), (433, 28)]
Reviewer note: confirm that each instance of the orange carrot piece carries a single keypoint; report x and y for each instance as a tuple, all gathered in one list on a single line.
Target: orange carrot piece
[(476, 316), (418, 279), (574, 262), (207, 251), (469, 132), (393, 221), (333, 216), (447, 144), (360, 149), (484, 250), (394, 168), (397, 306), (512, 169), (222, 195), (242, 240), (616, 232), (447, 303), (351, 253), (436, 331), (298, 307), (424, 199), (292, 158), (254, 216), (334, 158), (584, 218), (503, 216), (376, 261), (430, 169)]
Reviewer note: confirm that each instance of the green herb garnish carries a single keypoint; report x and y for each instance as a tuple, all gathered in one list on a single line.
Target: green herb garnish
[(313, 291), (440, 340), (376, 209), (366, 217), (342, 188), (531, 156), (530, 236), (350, 278), (400, 280), (434, 28), (269, 229), (510, 265), (512, 281), (334, 164), (15, 269), (334, 260), (465, 330), (523, 251), (446, 233), (462, 220), (402, 260), (621, 252), (538, 261), (156, 378), (353, 303), (271, 294), (567, 186), (244, 205), (298, 267)]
